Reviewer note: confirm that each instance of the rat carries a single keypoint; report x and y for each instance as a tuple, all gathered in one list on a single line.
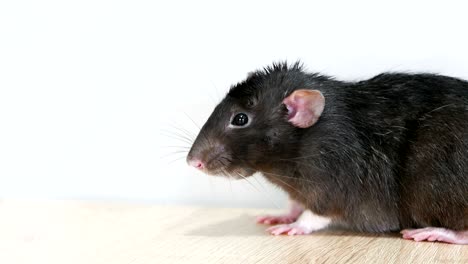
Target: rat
[(385, 154)]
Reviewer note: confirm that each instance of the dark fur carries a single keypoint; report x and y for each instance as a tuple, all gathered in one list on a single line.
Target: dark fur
[(387, 153)]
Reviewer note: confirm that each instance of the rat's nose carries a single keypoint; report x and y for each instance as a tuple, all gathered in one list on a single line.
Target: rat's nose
[(196, 163)]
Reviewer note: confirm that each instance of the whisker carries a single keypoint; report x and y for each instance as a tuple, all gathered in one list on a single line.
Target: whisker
[(192, 121), (222, 163), (292, 187), (177, 138), (182, 147), (183, 157), (185, 131), (253, 186), (177, 134), (265, 191), (284, 176), (208, 141), (173, 153), (178, 126), (289, 177)]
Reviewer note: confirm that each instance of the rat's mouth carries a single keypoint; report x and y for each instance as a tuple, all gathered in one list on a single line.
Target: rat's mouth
[(218, 161), (232, 173)]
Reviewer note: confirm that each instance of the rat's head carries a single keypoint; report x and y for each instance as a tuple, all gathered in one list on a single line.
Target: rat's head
[(259, 121)]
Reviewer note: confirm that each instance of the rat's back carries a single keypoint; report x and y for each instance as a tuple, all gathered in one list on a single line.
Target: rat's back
[(421, 122)]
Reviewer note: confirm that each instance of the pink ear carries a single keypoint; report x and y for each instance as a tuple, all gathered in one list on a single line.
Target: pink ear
[(304, 107)]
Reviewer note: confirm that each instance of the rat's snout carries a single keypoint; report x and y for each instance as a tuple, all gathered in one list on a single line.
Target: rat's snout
[(196, 163), (211, 159)]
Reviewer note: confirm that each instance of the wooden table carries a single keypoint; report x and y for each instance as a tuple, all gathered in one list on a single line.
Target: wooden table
[(69, 232)]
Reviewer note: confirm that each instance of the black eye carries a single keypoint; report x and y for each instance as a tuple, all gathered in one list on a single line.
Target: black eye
[(240, 120)]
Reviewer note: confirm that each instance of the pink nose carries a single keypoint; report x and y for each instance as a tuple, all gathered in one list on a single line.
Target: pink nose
[(196, 164)]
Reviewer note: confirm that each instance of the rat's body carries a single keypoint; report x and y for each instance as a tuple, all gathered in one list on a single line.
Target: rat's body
[(380, 155)]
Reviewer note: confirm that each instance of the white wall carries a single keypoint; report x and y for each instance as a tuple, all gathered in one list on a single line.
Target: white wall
[(87, 87)]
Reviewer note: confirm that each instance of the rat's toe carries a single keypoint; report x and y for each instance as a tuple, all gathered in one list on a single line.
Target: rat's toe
[(272, 219), (278, 229), (433, 234)]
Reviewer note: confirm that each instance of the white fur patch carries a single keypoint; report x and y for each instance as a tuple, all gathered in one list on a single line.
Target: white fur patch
[(310, 222)]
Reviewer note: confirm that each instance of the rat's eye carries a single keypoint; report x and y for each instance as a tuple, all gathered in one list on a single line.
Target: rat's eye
[(240, 119)]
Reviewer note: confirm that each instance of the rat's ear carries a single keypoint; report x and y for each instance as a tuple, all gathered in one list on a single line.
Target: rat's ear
[(304, 107)]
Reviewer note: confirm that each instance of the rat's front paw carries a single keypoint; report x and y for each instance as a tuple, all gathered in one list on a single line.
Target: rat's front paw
[(289, 229), (276, 219), (305, 224)]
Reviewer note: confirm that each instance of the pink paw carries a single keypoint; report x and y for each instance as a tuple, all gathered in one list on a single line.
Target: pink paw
[(279, 219), (436, 234), (289, 229)]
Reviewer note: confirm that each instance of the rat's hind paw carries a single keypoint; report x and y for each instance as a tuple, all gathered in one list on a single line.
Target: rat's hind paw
[(436, 234), (276, 219)]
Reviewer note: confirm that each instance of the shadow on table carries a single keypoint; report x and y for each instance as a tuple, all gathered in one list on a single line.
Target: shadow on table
[(245, 225)]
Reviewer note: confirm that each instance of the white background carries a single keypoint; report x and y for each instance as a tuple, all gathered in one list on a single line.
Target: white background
[(89, 89)]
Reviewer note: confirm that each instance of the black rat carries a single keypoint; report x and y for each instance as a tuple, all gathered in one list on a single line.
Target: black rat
[(381, 155)]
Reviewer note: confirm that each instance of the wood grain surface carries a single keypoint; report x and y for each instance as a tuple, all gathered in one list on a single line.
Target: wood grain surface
[(84, 232)]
